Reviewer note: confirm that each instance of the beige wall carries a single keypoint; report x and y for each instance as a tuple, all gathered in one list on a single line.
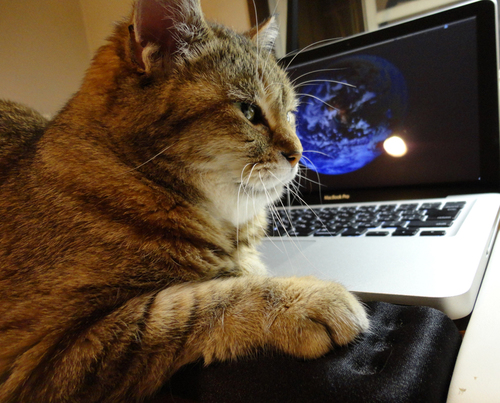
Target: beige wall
[(233, 13), (99, 16), (46, 45), (43, 51)]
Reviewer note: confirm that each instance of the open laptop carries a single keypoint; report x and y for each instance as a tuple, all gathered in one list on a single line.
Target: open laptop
[(400, 129)]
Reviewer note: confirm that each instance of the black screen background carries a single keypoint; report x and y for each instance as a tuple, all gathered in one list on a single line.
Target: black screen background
[(441, 127)]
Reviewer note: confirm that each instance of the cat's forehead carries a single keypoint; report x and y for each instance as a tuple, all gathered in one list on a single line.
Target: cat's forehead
[(248, 72)]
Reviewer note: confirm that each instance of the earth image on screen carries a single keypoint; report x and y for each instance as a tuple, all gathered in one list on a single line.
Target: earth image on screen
[(347, 111)]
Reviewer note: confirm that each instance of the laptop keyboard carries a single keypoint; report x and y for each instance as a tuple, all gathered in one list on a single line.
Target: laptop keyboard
[(406, 219)]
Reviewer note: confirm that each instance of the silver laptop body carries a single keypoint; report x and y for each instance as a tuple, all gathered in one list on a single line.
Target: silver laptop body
[(432, 84)]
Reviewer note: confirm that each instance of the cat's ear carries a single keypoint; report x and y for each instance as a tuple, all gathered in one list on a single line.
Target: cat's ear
[(265, 34), (163, 29)]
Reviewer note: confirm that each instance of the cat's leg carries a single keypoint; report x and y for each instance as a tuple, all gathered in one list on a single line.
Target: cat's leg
[(229, 318), (133, 350), (303, 316)]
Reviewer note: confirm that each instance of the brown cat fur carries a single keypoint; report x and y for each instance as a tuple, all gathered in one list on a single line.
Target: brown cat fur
[(128, 229), (20, 128)]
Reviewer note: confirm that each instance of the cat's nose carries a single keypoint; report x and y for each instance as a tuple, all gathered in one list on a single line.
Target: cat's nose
[(293, 157)]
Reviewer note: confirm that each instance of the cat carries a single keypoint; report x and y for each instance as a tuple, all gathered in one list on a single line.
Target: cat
[(20, 128), (129, 223)]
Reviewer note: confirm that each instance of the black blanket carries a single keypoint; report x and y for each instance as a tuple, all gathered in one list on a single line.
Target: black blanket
[(408, 357)]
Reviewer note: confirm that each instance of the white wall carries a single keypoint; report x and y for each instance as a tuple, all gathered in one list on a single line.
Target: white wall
[(46, 45)]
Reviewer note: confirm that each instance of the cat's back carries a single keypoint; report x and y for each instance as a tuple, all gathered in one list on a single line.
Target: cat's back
[(20, 129)]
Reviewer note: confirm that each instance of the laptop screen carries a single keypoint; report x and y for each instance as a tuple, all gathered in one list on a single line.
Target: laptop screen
[(402, 112)]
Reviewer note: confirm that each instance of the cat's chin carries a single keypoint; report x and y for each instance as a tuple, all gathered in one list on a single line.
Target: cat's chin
[(246, 203), (240, 202), (272, 181)]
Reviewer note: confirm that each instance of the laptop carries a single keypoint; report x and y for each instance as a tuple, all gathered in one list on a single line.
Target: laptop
[(398, 196)]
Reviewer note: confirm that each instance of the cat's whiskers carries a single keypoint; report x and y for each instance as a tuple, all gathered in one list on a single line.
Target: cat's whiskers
[(313, 165), (271, 206), (267, 59), (257, 42), (253, 194), (237, 215), (279, 180), (273, 213), (305, 204), (299, 178), (238, 201), (286, 210), (149, 160), (242, 179), (317, 152), (305, 178), (314, 44), (318, 99), (249, 198), (273, 83), (295, 185), (324, 81), (317, 175), (294, 189), (314, 72), (255, 212), (270, 52), (249, 177), (306, 48)]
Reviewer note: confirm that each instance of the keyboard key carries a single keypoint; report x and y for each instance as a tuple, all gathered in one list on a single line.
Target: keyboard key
[(444, 214), (348, 209), (277, 231), (341, 224), (353, 232), (386, 207), (454, 205), (388, 217), (393, 224), (367, 225), (433, 233), (407, 207), (300, 229), (405, 232), (300, 232), (430, 224), (327, 232), (426, 206), (412, 217), (367, 208), (377, 233), (364, 216)]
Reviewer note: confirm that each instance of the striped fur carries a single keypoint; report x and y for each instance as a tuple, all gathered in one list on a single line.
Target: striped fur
[(128, 228)]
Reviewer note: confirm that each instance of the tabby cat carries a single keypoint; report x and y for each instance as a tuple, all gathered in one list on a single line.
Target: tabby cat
[(129, 223)]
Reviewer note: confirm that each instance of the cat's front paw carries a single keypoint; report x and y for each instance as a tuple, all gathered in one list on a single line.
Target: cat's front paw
[(315, 315)]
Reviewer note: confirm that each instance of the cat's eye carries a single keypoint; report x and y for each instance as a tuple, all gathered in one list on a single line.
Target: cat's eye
[(252, 112)]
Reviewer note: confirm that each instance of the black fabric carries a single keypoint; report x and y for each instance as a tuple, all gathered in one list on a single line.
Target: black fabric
[(408, 357)]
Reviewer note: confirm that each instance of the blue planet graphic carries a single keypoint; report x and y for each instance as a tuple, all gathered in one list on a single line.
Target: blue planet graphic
[(346, 112)]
